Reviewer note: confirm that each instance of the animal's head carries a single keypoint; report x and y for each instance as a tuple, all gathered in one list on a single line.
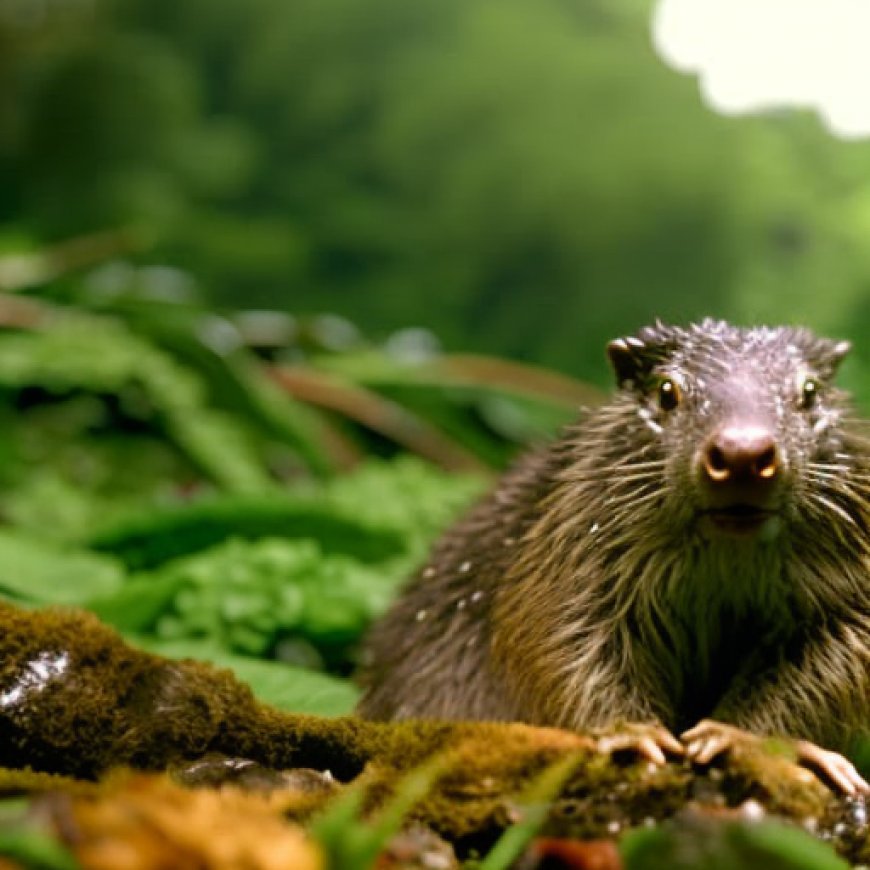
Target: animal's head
[(746, 423)]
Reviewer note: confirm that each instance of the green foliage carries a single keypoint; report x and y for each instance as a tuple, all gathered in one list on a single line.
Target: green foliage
[(37, 573), (536, 806), (100, 357), (149, 539), (488, 418), (246, 596), (533, 167), (859, 752), (36, 851), (406, 495), (353, 843), (519, 178), (156, 460), (765, 845), (296, 575), (212, 345), (283, 685), (26, 840), (343, 551)]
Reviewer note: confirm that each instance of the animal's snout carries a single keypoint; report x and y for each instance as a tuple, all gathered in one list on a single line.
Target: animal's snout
[(740, 454)]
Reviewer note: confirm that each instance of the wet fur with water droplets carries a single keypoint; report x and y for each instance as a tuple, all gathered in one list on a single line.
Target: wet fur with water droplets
[(592, 587)]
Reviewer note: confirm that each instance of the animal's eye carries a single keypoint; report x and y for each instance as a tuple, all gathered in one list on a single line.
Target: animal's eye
[(809, 391), (669, 395)]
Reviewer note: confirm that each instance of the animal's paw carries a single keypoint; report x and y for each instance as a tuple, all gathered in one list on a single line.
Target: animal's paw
[(709, 739), (833, 767), (649, 741)]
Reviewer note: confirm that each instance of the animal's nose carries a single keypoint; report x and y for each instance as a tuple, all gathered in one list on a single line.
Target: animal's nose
[(745, 453)]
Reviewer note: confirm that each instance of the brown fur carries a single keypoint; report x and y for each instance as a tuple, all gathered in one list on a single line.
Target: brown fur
[(585, 590)]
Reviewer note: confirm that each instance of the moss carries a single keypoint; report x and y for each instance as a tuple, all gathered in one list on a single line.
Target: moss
[(75, 700)]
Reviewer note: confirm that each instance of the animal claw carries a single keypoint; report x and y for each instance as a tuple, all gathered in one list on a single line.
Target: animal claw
[(834, 767), (709, 739), (648, 741)]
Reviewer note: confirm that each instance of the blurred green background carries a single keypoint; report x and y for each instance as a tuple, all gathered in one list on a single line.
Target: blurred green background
[(526, 179), (284, 282)]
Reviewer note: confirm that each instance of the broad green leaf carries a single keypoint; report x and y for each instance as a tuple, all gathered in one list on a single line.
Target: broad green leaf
[(25, 839), (717, 845), (289, 688), (156, 537), (35, 850), (100, 355), (136, 606), (42, 573)]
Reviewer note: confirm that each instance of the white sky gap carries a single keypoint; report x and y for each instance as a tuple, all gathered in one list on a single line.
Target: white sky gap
[(758, 55)]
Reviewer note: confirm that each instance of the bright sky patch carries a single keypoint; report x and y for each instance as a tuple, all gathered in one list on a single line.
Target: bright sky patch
[(760, 55)]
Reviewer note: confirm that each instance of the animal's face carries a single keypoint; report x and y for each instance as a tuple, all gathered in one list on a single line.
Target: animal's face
[(747, 422)]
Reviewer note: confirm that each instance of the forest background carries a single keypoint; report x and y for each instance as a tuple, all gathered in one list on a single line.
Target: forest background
[(523, 179), (284, 283), (253, 255)]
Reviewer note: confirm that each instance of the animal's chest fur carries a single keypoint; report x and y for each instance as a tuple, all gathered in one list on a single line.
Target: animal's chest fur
[(729, 614), (715, 662)]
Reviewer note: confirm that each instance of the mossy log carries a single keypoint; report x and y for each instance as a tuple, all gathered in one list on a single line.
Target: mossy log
[(77, 701)]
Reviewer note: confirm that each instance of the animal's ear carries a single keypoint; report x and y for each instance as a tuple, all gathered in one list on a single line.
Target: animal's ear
[(835, 353), (823, 354), (634, 357), (627, 360)]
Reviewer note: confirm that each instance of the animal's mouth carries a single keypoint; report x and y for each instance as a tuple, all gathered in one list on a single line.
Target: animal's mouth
[(740, 519)]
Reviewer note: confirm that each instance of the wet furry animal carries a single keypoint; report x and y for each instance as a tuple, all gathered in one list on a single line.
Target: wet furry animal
[(696, 547)]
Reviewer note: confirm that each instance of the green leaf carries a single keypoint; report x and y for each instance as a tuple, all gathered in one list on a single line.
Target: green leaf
[(102, 356), (716, 845), (151, 539), (137, 605), (406, 494), (536, 802), (353, 843), (42, 573), (24, 838), (286, 687), (859, 752), (36, 851), (236, 382), (245, 596), (791, 846)]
